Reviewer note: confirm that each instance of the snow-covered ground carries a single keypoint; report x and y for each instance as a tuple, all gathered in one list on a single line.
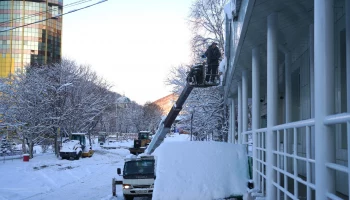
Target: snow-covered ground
[(49, 178)]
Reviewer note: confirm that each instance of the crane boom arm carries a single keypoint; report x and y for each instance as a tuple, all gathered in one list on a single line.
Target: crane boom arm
[(165, 124)]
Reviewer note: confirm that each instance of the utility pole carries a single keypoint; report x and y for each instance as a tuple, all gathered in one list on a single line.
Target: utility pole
[(192, 112)]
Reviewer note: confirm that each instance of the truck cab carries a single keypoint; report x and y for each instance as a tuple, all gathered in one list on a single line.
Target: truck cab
[(138, 177)]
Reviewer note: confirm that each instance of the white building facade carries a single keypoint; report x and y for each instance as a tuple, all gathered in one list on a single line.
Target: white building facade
[(292, 59)]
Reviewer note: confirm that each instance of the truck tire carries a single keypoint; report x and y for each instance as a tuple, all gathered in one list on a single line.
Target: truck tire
[(79, 155), (128, 197)]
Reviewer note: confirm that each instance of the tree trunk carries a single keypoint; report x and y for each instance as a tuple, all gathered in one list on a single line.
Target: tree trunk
[(24, 149), (31, 147), (89, 136), (56, 144)]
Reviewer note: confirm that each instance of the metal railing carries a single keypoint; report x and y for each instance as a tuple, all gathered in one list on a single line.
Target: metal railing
[(286, 159), (293, 164), (330, 120)]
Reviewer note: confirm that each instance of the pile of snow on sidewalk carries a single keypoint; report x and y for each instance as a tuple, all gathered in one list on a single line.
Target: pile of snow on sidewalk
[(200, 170)]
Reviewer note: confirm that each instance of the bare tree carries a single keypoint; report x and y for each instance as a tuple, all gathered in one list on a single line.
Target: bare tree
[(206, 20), (58, 98), (134, 117), (152, 114)]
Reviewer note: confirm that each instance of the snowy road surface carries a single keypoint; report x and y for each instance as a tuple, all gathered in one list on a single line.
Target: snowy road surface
[(47, 178)]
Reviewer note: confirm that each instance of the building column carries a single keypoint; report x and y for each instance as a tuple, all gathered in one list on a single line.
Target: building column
[(288, 87), (324, 96), (347, 28), (244, 104), (255, 108), (229, 135), (288, 136), (239, 116), (272, 101), (312, 94), (230, 127), (233, 121)]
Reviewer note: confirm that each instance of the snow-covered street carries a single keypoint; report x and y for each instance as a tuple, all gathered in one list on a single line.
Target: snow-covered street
[(46, 177), (187, 170)]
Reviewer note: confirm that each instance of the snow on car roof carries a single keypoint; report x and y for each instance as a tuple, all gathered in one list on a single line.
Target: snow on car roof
[(78, 133)]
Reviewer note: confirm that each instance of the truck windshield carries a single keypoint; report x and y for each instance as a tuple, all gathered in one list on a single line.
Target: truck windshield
[(139, 167), (80, 138)]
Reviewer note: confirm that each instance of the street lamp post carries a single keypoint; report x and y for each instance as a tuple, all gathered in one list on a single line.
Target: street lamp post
[(192, 112)]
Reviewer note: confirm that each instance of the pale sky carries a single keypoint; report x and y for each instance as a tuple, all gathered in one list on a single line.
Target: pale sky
[(131, 43)]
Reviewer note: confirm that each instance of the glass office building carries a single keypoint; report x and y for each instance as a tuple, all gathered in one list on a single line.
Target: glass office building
[(29, 43)]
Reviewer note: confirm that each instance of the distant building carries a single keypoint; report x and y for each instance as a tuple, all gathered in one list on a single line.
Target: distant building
[(38, 43)]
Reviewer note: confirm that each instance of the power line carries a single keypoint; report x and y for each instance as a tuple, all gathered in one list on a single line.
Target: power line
[(44, 12), (56, 16)]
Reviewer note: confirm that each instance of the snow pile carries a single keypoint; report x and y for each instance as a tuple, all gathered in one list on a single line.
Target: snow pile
[(200, 170), (69, 145), (177, 138), (111, 145), (125, 144)]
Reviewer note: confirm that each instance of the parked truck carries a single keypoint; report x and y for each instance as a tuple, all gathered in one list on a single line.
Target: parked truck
[(137, 178), (141, 143), (76, 147)]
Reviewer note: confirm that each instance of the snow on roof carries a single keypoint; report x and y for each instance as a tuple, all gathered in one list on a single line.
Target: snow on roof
[(78, 133), (144, 131), (200, 170)]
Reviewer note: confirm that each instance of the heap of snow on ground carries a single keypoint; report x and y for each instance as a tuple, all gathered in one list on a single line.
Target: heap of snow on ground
[(200, 170), (177, 138)]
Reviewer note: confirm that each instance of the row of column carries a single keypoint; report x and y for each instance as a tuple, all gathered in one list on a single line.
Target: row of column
[(347, 28), (322, 96), (272, 100)]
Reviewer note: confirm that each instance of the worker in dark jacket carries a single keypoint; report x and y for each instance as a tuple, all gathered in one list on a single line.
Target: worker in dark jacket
[(213, 55)]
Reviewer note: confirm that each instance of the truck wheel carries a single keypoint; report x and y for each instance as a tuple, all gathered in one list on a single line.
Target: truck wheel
[(128, 197), (79, 155)]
